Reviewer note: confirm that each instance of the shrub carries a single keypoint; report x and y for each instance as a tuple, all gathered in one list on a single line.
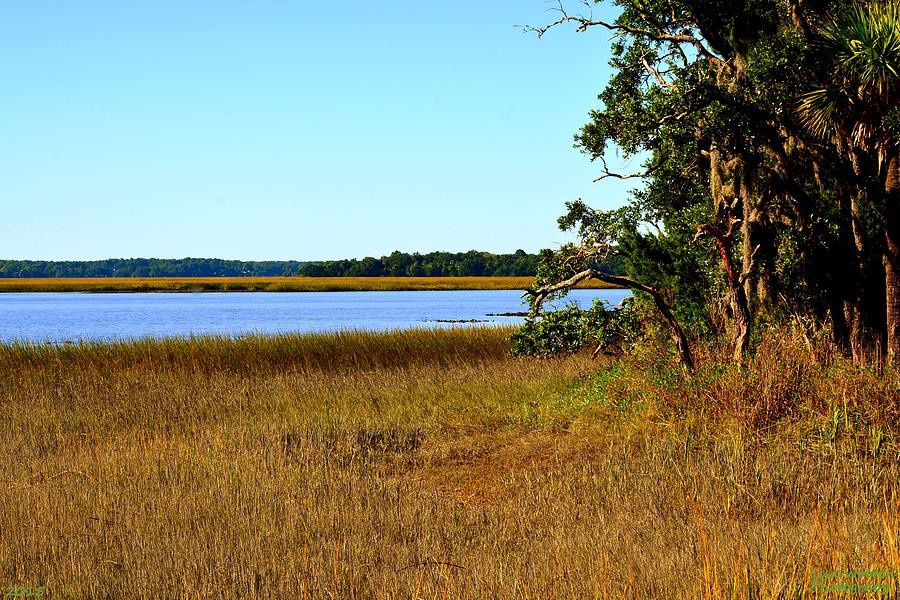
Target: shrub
[(571, 329)]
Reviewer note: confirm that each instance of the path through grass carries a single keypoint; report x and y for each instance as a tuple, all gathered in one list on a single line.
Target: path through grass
[(419, 464)]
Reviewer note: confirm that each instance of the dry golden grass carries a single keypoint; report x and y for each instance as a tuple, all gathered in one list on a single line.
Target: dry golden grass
[(427, 464), (268, 284)]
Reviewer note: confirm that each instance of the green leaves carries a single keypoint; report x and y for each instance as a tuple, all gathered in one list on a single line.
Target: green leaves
[(865, 43), (860, 53), (598, 227), (822, 110), (571, 329), (718, 98)]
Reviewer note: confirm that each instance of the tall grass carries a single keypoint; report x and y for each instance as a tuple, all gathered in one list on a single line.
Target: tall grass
[(428, 464), (347, 350), (789, 382), (265, 284)]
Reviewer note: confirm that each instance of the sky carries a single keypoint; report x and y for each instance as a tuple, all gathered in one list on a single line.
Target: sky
[(275, 130)]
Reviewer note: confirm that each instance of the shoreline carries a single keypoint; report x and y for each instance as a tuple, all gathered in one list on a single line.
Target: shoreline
[(112, 285)]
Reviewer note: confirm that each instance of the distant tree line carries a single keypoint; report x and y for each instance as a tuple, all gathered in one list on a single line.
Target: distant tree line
[(398, 264), (148, 267), (433, 264)]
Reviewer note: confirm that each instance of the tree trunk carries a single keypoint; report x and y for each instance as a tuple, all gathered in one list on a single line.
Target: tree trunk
[(737, 298), (845, 280), (892, 255), (757, 243), (869, 327)]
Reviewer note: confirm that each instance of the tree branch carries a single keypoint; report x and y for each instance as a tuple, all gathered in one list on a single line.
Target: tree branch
[(608, 173), (659, 78), (538, 296), (797, 16), (735, 283), (583, 23)]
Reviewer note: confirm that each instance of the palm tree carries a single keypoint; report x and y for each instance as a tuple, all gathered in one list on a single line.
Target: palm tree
[(859, 108)]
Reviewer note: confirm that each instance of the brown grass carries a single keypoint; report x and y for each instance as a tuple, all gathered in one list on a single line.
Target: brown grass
[(427, 464), (268, 284)]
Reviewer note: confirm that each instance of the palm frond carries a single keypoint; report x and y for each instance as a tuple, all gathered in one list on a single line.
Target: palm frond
[(861, 47), (821, 110), (864, 44)]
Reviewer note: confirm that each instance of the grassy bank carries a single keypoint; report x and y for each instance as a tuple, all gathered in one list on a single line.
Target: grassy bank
[(428, 464), (266, 284)]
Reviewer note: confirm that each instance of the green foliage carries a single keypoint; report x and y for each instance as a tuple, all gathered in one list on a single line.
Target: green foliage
[(147, 267), (571, 329), (397, 264), (859, 49), (734, 190), (432, 264), (652, 245)]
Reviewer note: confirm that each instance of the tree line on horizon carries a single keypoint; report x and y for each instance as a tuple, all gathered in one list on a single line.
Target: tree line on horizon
[(146, 267), (432, 264), (397, 264)]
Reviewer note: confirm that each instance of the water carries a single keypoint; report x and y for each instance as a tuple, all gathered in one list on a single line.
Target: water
[(60, 317)]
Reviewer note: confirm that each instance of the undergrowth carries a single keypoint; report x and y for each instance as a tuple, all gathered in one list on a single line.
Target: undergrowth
[(431, 464)]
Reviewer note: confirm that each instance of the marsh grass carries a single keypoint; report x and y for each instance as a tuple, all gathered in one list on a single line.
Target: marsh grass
[(345, 350), (266, 284), (428, 464)]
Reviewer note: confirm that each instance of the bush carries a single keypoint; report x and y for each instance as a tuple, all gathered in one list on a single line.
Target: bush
[(571, 329)]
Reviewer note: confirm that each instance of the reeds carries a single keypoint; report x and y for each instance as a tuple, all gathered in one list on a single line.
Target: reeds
[(344, 350), (428, 464)]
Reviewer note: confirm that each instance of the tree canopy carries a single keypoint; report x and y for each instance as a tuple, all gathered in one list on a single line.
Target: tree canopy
[(770, 186)]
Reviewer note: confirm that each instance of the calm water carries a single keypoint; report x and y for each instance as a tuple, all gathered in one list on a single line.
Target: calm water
[(60, 317)]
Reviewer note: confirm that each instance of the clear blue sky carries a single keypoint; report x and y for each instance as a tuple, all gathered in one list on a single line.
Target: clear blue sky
[(290, 129)]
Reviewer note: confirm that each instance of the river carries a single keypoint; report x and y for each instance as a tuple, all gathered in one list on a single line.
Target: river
[(61, 317)]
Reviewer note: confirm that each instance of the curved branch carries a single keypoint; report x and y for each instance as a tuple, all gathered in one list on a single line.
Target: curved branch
[(540, 294), (655, 72)]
